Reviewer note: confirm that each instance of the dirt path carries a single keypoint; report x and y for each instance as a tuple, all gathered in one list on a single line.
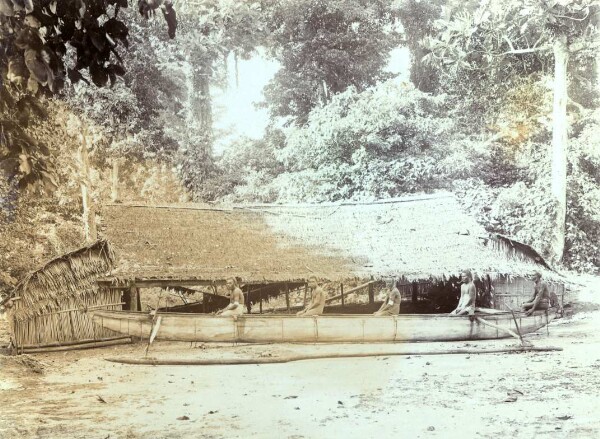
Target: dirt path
[(418, 396)]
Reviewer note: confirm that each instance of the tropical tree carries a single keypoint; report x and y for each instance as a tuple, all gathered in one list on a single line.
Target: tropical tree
[(324, 48), (211, 31), (418, 19), (498, 36), (35, 59), (385, 141)]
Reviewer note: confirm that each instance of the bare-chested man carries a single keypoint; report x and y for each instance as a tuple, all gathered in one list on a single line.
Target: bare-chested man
[(236, 300), (391, 304), (317, 301), (541, 296), (468, 294)]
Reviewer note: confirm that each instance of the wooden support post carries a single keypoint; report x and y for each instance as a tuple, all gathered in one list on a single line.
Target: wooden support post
[(287, 297), (126, 296), (305, 291), (371, 292), (342, 293), (204, 303), (260, 302), (490, 291), (134, 299), (415, 291)]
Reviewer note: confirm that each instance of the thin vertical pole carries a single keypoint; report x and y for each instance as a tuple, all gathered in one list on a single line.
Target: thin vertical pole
[(371, 293), (260, 301), (287, 297), (89, 215), (342, 292), (114, 192)]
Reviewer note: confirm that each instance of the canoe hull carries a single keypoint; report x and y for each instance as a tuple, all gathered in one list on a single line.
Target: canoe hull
[(321, 329)]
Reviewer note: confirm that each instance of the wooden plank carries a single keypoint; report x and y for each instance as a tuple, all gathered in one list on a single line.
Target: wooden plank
[(72, 343)]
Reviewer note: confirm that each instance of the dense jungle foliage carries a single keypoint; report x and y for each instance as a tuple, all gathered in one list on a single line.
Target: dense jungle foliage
[(134, 83)]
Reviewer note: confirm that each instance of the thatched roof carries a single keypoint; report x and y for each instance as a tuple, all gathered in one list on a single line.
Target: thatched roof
[(70, 276), (195, 242), (413, 236), (417, 237)]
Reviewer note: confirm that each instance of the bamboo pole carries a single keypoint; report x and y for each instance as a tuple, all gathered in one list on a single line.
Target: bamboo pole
[(351, 290), (290, 358), (82, 309)]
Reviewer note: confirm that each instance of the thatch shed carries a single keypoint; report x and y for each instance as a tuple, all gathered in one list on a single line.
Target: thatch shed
[(49, 306), (421, 239)]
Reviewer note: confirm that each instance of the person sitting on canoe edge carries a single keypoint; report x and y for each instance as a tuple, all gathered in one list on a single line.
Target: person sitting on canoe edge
[(468, 294), (236, 300), (317, 301), (391, 304), (541, 296)]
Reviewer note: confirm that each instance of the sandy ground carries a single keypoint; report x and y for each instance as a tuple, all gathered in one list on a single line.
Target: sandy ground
[(81, 395)]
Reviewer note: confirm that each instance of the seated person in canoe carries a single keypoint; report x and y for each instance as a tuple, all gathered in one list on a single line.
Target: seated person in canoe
[(541, 296), (468, 294), (236, 300), (317, 302), (391, 304)]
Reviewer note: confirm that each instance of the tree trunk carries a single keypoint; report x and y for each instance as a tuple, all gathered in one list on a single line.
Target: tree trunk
[(89, 216), (204, 102), (237, 71), (559, 147)]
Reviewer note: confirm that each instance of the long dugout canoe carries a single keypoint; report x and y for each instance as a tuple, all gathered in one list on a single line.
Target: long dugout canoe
[(321, 329)]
